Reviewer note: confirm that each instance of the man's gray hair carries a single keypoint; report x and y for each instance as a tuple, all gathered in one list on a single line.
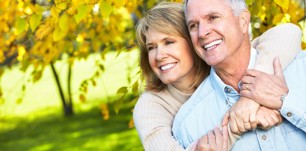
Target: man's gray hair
[(237, 5)]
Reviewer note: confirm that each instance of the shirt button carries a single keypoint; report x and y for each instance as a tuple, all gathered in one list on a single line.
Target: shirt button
[(289, 114), (264, 137)]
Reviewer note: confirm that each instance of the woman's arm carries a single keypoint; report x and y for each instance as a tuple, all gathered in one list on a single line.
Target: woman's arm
[(283, 41), (153, 119)]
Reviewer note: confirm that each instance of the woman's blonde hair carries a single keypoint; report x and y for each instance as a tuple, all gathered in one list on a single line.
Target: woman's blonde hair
[(167, 18)]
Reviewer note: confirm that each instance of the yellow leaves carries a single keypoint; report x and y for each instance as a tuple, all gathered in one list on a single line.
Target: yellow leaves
[(120, 3), (37, 75), (122, 90), (135, 87), (296, 11), (83, 10), (60, 4), (62, 28), (35, 21), (44, 29), (284, 4), (58, 34), (4, 26), (2, 57), (39, 9), (28, 11), (131, 123), (63, 22), (131, 6), (21, 25), (278, 18), (80, 38), (82, 98), (249, 2), (21, 53), (105, 9), (18, 101), (104, 111)]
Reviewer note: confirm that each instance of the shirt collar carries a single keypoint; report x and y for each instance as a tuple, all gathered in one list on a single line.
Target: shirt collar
[(252, 58), (219, 85)]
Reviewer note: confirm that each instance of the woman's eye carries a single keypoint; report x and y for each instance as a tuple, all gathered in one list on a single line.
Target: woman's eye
[(169, 42), (150, 48)]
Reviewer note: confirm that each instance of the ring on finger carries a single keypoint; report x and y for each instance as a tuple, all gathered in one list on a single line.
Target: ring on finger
[(247, 86)]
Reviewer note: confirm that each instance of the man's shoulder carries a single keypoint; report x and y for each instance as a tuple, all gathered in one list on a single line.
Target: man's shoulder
[(297, 65), (301, 55), (300, 58), (203, 89), (201, 93)]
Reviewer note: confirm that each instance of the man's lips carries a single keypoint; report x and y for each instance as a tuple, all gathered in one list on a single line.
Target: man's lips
[(212, 44)]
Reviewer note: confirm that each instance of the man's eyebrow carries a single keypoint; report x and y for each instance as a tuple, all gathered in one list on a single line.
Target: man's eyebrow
[(204, 16)]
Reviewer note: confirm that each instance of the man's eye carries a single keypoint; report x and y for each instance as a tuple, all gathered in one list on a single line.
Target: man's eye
[(193, 27), (213, 17)]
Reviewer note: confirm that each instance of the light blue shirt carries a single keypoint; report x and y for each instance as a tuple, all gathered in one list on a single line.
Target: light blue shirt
[(205, 109)]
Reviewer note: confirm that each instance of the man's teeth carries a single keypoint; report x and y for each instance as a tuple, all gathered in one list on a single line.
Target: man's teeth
[(168, 66), (212, 44)]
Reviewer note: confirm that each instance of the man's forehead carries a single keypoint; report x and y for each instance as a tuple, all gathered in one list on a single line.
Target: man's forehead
[(205, 5)]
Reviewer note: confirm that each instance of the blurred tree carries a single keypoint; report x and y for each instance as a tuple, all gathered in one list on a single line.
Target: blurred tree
[(37, 33)]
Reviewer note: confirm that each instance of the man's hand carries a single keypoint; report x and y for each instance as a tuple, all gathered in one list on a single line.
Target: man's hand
[(263, 88), (242, 116)]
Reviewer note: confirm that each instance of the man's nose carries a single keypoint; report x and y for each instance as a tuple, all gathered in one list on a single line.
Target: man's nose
[(204, 30)]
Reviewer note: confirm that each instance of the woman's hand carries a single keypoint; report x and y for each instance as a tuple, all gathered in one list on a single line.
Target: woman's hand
[(242, 116), (240, 122), (215, 140), (268, 118)]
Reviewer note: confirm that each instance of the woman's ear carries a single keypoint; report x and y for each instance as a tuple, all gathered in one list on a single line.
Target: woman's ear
[(244, 20)]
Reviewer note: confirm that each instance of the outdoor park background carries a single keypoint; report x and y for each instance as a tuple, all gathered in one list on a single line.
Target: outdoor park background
[(69, 70)]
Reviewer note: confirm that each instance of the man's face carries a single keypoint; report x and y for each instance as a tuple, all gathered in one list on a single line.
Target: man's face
[(216, 33)]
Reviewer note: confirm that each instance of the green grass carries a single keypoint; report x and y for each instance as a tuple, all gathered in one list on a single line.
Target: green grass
[(84, 131), (37, 123)]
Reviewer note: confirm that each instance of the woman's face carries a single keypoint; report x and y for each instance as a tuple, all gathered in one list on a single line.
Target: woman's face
[(170, 58)]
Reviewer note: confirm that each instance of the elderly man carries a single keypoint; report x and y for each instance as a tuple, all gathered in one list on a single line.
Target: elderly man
[(219, 33)]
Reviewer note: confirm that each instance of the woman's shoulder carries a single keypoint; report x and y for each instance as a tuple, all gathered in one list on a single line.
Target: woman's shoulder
[(150, 96), (158, 100)]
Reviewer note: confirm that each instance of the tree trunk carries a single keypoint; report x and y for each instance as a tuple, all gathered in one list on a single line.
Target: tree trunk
[(68, 110), (70, 101)]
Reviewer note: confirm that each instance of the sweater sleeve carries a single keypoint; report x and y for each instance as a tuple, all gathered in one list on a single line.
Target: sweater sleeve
[(153, 121), (283, 41)]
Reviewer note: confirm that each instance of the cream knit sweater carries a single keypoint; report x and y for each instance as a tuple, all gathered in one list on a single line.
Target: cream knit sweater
[(154, 112)]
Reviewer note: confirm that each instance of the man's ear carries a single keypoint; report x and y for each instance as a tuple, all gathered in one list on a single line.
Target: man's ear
[(244, 20)]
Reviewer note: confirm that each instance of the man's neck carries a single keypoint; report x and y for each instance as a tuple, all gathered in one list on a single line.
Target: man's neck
[(232, 71)]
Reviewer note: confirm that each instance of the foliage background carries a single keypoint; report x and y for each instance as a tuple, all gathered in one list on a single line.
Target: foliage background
[(50, 39)]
